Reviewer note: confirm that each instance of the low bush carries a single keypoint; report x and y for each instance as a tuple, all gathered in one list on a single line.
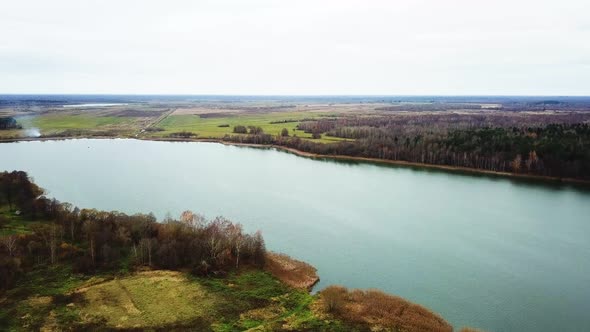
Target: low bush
[(379, 309)]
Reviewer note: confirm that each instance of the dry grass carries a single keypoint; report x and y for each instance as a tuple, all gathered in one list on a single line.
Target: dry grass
[(39, 301), (470, 329), (147, 299), (380, 310), (292, 272)]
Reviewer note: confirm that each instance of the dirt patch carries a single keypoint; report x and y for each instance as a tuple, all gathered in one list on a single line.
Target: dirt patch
[(294, 273), (162, 275), (39, 301)]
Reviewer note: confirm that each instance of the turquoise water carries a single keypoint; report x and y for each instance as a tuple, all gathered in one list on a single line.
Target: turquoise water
[(493, 253)]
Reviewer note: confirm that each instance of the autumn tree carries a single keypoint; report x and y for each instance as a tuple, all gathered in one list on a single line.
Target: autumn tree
[(516, 163)]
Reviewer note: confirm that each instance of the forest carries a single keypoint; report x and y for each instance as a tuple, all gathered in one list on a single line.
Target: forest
[(92, 240), (554, 145)]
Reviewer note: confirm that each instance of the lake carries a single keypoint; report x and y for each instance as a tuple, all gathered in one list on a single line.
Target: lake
[(488, 252)]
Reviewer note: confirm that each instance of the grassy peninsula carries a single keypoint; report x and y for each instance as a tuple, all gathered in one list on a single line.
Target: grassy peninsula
[(66, 269)]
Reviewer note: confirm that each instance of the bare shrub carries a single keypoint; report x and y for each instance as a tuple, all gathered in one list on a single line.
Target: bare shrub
[(379, 309), (294, 273), (334, 298)]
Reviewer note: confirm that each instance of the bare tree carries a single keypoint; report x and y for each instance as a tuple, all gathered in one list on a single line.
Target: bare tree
[(51, 235), (146, 247), (9, 242), (237, 239)]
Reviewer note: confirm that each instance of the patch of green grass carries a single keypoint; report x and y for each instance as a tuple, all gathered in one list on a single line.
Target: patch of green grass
[(55, 297), (260, 301), (49, 281), (15, 225), (51, 124), (214, 127), (31, 315), (36, 294), (148, 300), (249, 287)]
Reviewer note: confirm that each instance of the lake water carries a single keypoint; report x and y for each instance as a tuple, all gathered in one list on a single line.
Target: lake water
[(493, 253)]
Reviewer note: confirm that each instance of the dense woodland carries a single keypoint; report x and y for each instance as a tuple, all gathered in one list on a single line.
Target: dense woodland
[(94, 240), (8, 123), (556, 144)]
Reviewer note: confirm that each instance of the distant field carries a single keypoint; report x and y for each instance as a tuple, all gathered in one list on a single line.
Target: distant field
[(204, 122), (52, 124), (208, 125)]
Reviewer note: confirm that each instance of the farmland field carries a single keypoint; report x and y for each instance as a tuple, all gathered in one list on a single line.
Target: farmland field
[(218, 125)]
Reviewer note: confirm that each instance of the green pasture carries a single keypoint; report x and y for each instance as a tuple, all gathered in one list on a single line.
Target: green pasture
[(216, 127), (51, 124)]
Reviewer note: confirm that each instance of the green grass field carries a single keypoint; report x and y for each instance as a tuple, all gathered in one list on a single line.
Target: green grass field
[(57, 123), (147, 300), (210, 127), (214, 126), (55, 298)]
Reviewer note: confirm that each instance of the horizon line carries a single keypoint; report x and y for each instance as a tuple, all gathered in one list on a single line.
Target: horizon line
[(286, 95)]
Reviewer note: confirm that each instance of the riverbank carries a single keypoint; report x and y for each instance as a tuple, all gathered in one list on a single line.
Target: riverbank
[(454, 169)]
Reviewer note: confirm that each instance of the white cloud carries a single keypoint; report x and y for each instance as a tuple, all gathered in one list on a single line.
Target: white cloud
[(295, 47)]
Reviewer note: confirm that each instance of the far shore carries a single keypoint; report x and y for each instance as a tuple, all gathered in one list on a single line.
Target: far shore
[(455, 169)]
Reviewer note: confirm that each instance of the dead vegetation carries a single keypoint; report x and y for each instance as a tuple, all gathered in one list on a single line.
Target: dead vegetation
[(380, 311), (294, 273)]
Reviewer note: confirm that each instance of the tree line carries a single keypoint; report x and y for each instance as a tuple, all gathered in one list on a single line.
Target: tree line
[(9, 123), (94, 240), (547, 145)]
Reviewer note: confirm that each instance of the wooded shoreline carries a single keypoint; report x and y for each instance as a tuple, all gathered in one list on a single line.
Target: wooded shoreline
[(453, 169), (66, 268)]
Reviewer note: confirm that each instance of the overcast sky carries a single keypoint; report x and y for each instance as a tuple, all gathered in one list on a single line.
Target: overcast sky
[(533, 47)]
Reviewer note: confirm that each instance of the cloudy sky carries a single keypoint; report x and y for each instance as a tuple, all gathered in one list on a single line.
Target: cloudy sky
[(533, 47)]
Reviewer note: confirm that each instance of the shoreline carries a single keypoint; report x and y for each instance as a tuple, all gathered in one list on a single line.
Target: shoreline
[(452, 169)]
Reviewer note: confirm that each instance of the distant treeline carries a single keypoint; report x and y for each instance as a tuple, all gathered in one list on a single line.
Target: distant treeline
[(92, 240), (555, 145), (9, 123)]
